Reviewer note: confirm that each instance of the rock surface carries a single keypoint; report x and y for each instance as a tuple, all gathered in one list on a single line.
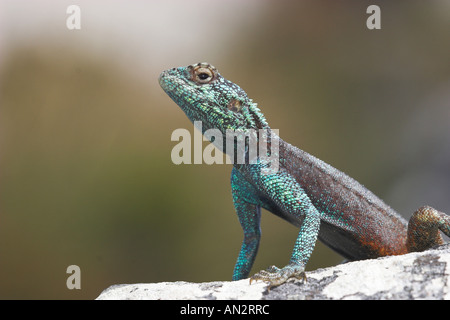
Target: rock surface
[(424, 275)]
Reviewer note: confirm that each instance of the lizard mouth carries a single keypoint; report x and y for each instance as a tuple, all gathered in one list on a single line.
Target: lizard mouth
[(165, 79), (171, 83)]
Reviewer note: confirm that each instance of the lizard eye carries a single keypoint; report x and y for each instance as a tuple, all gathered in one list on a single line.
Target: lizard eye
[(203, 74)]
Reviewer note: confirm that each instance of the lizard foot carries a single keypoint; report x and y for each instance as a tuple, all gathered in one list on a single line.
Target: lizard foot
[(275, 276)]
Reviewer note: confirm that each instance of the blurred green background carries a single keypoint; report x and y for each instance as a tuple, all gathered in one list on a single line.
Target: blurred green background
[(85, 171)]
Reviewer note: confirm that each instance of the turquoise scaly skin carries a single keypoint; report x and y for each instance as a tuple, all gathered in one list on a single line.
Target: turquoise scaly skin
[(320, 200)]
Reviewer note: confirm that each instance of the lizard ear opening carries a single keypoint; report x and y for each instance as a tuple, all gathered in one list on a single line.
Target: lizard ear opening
[(234, 105)]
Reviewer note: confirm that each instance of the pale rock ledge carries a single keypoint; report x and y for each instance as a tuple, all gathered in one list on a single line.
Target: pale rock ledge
[(424, 275)]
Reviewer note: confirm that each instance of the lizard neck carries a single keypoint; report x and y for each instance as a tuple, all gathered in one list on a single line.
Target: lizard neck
[(261, 153), (238, 135)]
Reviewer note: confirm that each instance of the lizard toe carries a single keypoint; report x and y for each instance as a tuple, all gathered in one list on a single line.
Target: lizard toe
[(275, 276)]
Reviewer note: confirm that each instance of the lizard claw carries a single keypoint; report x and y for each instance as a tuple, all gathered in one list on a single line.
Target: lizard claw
[(275, 276)]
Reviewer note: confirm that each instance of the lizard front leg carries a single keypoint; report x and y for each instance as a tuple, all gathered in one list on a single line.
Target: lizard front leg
[(295, 205), (303, 248), (249, 214)]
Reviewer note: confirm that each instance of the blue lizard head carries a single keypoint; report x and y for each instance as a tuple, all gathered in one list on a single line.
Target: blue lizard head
[(204, 95)]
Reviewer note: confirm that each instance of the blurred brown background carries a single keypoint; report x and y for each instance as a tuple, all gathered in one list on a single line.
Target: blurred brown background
[(85, 171)]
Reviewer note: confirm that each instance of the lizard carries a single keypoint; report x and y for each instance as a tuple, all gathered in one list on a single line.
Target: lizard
[(323, 202)]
